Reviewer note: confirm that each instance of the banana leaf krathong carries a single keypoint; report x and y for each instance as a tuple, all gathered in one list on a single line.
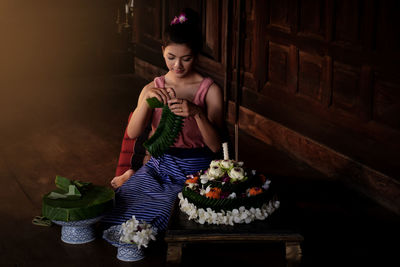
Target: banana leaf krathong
[(85, 201)]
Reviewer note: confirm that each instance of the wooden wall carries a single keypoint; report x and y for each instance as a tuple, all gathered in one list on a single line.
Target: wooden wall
[(319, 79)]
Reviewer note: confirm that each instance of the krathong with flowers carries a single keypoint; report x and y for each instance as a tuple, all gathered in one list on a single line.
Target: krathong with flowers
[(227, 193), (139, 233)]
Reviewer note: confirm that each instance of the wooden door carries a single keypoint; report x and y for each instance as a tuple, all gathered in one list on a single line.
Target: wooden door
[(326, 72)]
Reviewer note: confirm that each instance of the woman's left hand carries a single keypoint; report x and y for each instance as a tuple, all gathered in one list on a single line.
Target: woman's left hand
[(184, 108)]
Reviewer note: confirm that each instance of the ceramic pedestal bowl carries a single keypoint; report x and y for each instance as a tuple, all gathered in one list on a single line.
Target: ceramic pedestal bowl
[(126, 252), (78, 232)]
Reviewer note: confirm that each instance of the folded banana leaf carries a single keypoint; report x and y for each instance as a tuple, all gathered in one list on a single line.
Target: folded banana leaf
[(167, 131), (63, 183), (68, 189), (94, 201), (73, 193)]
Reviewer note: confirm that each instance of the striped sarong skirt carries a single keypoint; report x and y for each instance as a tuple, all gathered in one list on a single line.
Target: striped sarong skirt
[(151, 192)]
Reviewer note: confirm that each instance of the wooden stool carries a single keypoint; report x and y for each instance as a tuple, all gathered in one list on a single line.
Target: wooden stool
[(181, 231)]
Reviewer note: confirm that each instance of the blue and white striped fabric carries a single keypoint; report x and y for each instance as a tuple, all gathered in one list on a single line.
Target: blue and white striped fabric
[(151, 192)]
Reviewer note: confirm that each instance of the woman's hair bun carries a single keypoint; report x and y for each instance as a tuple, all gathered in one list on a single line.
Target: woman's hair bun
[(185, 29)]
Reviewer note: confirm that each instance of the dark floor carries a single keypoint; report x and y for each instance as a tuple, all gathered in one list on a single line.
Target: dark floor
[(73, 128)]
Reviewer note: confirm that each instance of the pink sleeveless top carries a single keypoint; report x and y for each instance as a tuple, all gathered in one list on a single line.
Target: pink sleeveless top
[(190, 136)]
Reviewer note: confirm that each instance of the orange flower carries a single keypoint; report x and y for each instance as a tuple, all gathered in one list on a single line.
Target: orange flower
[(214, 193), (255, 191), (192, 180)]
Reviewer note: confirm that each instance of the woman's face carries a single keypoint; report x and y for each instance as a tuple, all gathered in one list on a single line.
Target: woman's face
[(179, 59)]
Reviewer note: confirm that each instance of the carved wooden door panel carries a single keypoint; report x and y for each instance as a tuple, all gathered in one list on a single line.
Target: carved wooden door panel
[(327, 69)]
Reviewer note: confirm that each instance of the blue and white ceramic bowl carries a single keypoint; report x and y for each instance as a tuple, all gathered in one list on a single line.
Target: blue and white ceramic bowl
[(126, 252), (78, 232)]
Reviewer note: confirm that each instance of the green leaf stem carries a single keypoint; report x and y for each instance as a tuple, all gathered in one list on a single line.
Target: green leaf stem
[(167, 131)]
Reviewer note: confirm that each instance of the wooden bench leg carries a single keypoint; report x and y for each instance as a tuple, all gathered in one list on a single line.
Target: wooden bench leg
[(293, 254), (174, 254)]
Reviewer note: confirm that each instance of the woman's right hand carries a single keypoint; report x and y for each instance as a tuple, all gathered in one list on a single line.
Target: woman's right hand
[(162, 94)]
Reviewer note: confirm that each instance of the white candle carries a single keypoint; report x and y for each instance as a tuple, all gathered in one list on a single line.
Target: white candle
[(132, 3), (126, 8), (225, 149)]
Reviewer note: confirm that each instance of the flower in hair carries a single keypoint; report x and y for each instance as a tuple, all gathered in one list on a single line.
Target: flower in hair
[(180, 19)]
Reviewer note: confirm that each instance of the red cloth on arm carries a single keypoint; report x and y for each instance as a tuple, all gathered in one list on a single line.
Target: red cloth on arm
[(127, 151)]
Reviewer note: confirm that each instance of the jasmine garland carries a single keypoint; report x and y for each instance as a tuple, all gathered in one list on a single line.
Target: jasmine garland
[(241, 215)]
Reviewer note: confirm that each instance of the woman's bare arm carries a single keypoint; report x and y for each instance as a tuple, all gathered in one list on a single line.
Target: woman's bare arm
[(211, 124), (142, 113)]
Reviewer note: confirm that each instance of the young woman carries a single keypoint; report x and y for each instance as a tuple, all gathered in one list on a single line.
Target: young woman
[(150, 193)]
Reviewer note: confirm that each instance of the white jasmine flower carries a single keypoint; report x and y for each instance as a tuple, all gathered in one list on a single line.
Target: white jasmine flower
[(143, 237), (208, 189), (236, 219), (201, 215), (202, 192), (193, 185), (138, 233), (213, 217), (232, 195), (239, 163), (265, 186), (265, 215), (206, 215), (235, 212), (192, 212), (269, 208), (259, 215), (204, 178)]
